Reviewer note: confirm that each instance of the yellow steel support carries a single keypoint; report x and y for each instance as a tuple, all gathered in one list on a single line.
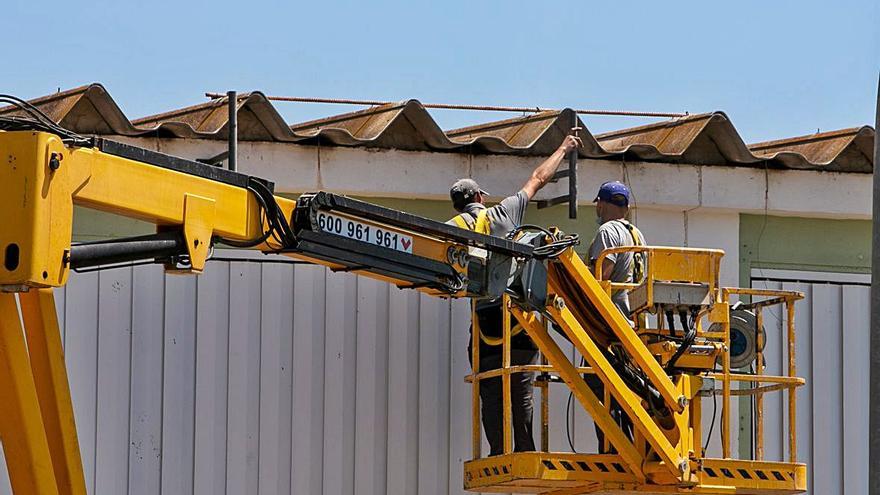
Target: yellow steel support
[(696, 411), (199, 215), (476, 439), (545, 410), (37, 223), (580, 390), (630, 403), (753, 476), (725, 395), (53, 391), (553, 472), (792, 393), (538, 472), (22, 431), (787, 381), (606, 401), (581, 274), (507, 413), (759, 397)]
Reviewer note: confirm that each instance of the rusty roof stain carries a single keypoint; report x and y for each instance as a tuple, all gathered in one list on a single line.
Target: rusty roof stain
[(540, 132), (851, 149), (703, 139), (707, 138)]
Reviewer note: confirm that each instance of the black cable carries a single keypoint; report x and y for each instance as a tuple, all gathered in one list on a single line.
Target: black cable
[(712, 424), (528, 226), (670, 320), (261, 201), (278, 226), (662, 336), (38, 121), (275, 214), (556, 248), (568, 420), (569, 417), (27, 107), (552, 249), (690, 336)]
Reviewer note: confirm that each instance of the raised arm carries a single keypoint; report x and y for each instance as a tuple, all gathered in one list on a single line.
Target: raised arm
[(544, 172)]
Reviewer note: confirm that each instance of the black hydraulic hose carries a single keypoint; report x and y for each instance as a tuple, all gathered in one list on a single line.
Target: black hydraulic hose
[(637, 383), (161, 245), (689, 337), (670, 320), (683, 318)]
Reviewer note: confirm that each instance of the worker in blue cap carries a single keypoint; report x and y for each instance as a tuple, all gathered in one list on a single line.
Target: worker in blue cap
[(612, 207)]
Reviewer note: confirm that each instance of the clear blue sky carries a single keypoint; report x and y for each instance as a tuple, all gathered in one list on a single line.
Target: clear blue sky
[(778, 68)]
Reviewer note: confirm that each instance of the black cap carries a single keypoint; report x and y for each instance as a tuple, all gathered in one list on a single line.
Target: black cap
[(463, 192)]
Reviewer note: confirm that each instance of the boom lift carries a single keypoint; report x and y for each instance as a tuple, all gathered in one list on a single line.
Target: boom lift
[(657, 375)]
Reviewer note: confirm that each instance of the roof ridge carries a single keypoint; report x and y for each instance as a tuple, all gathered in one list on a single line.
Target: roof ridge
[(657, 125), (241, 99), (808, 138), (40, 100), (503, 123), (376, 109)]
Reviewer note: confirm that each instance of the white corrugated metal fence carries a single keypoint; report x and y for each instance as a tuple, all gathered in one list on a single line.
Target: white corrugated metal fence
[(272, 378), (832, 324)]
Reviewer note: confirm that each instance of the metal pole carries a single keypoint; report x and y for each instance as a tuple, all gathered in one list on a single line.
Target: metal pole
[(545, 404), (506, 409), (792, 391), (233, 131), (573, 175), (874, 394), (476, 438), (759, 398), (447, 106), (725, 394)]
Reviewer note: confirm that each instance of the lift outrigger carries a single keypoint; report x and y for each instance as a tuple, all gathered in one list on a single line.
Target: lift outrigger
[(657, 375)]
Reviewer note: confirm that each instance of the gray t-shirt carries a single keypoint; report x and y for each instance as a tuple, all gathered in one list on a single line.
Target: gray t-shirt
[(503, 217), (614, 233)]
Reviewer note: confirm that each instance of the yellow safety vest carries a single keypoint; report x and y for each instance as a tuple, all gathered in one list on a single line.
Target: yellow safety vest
[(481, 226), (638, 258)]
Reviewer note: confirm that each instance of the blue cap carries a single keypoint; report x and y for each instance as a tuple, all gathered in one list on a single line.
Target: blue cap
[(614, 192)]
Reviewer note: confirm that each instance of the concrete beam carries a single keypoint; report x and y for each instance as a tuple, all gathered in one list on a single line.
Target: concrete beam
[(424, 175)]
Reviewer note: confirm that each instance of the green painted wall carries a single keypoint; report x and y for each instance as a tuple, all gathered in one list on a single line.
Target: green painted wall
[(93, 225), (793, 243)]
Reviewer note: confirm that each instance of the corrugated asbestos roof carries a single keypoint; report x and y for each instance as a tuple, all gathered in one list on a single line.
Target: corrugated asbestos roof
[(708, 138)]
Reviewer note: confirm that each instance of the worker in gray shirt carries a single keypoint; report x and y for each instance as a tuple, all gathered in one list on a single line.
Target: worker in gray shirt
[(469, 200), (612, 207)]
